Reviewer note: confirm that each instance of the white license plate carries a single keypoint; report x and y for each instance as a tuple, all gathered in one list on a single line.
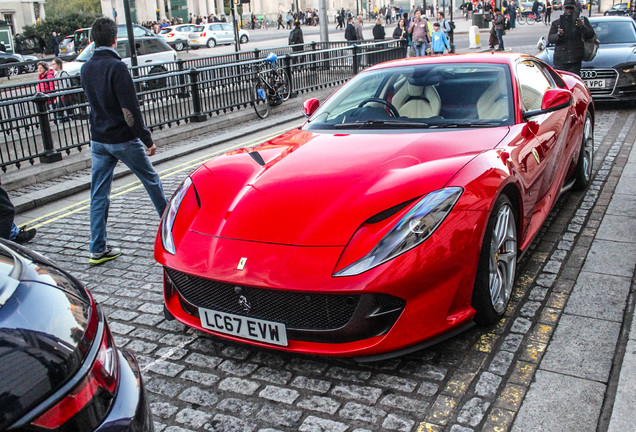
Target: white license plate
[(249, 328), (595, 83)]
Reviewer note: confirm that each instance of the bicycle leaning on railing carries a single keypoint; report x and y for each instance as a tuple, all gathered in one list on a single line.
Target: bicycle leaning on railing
[(271, 86)]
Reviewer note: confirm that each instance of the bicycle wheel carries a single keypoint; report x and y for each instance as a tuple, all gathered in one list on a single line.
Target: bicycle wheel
[(284, 85), (532, 19), (521, 19), (261, 105)]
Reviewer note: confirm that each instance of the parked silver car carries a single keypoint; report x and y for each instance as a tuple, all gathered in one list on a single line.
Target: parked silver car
[(213, 34)]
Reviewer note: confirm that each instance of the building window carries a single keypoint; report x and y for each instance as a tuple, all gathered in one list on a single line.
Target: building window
[(9, 19)]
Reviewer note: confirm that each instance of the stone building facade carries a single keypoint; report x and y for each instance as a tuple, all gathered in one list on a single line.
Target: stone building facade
[(20, 13)]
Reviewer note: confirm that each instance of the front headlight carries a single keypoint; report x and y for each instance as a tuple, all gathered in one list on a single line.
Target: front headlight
[(415, 227), (169, 215)]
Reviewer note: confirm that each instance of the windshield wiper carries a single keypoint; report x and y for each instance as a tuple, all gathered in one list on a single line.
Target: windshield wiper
[(464, 124), (381, 124)]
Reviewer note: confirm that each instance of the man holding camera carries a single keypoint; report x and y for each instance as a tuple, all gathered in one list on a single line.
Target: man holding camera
[(567, 35)]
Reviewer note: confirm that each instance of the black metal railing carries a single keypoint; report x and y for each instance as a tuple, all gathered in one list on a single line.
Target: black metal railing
[(40, 126)]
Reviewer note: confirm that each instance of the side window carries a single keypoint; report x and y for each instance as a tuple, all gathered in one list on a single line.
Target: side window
[(139, 32), (226, 27), (532, 84), (216, 27), (151, 46), (121, 49)]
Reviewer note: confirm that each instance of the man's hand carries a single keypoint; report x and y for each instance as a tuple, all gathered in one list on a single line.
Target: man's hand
[(151, 150), (560, 32)]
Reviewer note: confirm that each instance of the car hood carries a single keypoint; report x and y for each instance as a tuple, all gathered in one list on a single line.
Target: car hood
[(607, 56), (73, 68), (43, 317), (315, 189), (612, 55)]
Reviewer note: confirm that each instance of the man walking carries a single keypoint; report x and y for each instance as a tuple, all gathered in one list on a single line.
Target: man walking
[(118, 133), (499, 24), (567, 35), (55, 43)]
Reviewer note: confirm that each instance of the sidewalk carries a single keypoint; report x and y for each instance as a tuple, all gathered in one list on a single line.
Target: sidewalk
[(586, 380)]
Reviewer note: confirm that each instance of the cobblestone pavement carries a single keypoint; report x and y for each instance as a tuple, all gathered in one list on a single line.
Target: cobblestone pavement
[(474, 381)]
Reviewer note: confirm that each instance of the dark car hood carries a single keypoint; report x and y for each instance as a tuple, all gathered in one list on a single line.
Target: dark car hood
[(315, 189), (42, 323), (607, 56)]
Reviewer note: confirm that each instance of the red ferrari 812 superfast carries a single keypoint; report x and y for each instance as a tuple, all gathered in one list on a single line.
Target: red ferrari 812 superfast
[(392, 218)]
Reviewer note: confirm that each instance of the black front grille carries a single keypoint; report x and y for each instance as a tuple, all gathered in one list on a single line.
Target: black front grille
[(608, 75), (297, 310)]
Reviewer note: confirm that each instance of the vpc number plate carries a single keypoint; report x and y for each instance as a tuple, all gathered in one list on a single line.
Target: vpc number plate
[(249, 328)]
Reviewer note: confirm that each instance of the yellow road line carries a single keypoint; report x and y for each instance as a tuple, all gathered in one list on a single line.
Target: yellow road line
[(168, 172)]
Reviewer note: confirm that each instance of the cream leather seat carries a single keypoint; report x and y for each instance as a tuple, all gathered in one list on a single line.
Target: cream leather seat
[(417, 101), (493, 104)]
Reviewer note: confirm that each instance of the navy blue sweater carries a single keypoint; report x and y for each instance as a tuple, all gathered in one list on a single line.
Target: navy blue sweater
[(111, 94)]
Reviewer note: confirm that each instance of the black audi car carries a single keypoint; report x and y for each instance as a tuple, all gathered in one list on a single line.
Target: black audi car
[(59, 367), (612, 73)]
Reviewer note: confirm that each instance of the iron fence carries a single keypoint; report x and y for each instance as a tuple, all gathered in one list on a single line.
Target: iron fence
[(42, 126)]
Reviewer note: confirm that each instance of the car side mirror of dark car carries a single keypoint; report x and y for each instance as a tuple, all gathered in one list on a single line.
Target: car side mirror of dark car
[(310, 106), (553, 100), (542, 43)]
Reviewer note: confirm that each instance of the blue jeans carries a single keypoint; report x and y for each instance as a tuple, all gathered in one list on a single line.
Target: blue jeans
[(499, 33), (104, 158), (419, 51)]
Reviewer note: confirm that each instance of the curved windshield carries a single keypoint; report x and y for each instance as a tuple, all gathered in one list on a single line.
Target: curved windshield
[(421, 96), (613, 32), (87, 53)]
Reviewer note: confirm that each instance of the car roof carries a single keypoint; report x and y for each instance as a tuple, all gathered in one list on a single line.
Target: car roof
[(481, 58), (610, 18)]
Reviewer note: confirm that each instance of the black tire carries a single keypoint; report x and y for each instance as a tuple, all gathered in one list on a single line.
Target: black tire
[(284, 85), (211, 43), (261, 103), (497, 266), (10, 69), (583, 172), (179, 46), (244, 39)]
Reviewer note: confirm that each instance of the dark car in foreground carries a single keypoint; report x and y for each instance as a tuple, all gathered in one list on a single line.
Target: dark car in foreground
[(59, 367), (612, 73)]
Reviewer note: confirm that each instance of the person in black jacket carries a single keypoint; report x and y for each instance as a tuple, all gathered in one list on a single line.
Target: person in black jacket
[(566, 34), (296, 39), (118, 133), (350, 32), (378, 30)]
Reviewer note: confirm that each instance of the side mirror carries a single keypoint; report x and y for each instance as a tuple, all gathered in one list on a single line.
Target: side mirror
[(310, 106), (553, 100), (542, 43)]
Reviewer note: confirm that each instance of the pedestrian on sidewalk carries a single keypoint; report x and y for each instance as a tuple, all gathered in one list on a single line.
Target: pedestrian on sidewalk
[(566, 34), (8, 229), (118, 133), (358, 27), (420, 37), (439, 41), (350, 32), (499, 23), (378, 30), (547, 17)]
